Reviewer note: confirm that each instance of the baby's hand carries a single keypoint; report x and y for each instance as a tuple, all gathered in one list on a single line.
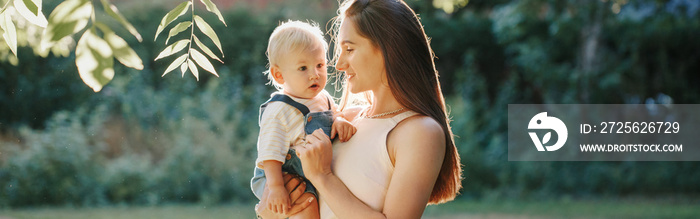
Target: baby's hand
[(278, 199), (343, 128)]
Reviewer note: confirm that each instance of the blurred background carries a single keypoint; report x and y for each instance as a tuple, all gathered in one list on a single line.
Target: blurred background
[(151, 142)]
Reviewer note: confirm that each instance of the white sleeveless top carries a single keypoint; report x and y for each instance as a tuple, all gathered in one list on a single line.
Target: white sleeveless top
[(363, 162)]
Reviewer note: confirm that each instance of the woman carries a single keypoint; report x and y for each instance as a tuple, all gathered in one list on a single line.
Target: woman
[(403, 155)]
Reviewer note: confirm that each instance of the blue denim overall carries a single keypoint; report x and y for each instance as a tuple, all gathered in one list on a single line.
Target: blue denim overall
[(292, 164)]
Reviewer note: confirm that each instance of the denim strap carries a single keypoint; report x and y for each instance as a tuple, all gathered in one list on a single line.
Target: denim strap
[(285, 99)]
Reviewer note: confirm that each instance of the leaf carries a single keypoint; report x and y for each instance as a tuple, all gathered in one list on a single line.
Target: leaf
[(121, 49), (183, 68), (546, 138), (9, 32), (95, 60), (172, 49), (205, 49), (112, 11), (175, 64), (178, 29), (213, 9), (32, 6), (67, 18), (193, 68), (206, 29), (202, 61), (31, 10), (171, 16)]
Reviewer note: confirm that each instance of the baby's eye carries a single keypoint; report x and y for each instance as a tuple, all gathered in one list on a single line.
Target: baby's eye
[(348, 50), (320, 65), (302, 68)]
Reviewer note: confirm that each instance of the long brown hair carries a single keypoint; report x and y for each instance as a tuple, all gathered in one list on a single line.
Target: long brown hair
[(393, 27)]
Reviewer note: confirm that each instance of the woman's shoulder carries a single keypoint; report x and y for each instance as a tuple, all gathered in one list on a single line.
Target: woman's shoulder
[(422, 125), (416, 137), (418, 130)]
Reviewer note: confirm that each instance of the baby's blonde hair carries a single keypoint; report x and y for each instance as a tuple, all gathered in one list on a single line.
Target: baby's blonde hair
[(289, 37)]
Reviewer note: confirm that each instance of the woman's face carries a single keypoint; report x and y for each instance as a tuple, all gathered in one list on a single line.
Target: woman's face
[(362, 62)]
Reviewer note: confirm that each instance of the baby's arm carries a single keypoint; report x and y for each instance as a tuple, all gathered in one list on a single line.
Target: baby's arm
[(278, 198)]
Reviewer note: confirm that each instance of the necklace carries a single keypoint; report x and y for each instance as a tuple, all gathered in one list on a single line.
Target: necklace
[(382, 114)]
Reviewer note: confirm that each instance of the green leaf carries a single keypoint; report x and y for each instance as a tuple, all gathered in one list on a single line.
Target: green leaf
[(31, 10), (171, 16), (178, 29), (121, 49), (183, 68), (95, 60), (9, 32), (193, 68), (205, 49), (207, 30), (175, 64), (67, 18), (32, 6), (213, 9), (202, 61), (112, 11), (172, 49)]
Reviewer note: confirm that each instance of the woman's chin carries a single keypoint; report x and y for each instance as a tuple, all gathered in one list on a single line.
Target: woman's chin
[(354, 90)]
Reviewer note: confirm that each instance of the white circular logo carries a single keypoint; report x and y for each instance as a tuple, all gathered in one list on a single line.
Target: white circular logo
[(543, 122)]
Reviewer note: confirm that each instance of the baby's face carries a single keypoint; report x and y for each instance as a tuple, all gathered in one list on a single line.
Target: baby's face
[(304, 73)]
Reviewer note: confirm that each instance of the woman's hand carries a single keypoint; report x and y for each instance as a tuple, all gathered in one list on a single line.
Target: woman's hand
[(316, 155), (296, 187)]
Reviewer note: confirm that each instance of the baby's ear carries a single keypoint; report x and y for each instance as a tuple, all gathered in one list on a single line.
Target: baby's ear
[(277, 74)]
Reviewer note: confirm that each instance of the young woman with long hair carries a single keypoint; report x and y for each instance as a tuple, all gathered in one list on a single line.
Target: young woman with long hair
[(403, 156)]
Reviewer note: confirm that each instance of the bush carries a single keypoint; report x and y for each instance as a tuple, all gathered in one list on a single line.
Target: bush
[(56, 166)]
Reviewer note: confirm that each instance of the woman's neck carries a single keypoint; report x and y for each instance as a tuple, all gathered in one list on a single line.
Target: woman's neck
[(383, 101)]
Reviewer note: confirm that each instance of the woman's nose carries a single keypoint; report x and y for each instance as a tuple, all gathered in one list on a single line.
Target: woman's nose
[(341, 65)]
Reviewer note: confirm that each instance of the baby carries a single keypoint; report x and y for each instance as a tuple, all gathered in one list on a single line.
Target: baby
[(297, 55)]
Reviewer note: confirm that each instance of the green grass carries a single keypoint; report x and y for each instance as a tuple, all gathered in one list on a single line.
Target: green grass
[(605, 208), (457, 209), (131, 212)]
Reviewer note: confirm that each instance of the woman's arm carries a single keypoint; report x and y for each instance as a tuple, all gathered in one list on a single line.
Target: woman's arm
[(418, 147)]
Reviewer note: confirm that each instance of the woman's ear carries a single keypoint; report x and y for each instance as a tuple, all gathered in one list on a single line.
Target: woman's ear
[(277, 74)]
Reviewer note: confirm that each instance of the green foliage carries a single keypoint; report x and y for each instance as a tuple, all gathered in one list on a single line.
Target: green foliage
[(574, 52), (57, 165), (9, 31), (50, 83), (94, 55), (147, 139), (151, 141), (188, 60), (94, 157)]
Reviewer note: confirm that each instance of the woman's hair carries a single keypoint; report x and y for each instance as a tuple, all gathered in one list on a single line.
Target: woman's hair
[(393, 27), (292, 36)]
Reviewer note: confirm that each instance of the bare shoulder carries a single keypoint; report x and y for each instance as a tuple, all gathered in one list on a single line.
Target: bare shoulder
[(416, 134), (419, 127)]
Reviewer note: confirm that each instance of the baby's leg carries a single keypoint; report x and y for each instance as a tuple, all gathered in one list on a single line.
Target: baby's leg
[(309, 212)]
